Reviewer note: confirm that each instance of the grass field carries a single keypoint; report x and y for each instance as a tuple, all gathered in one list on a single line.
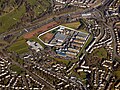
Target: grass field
[(19, 47), (101, 52), (61, 60), (80, 75), (66, 62), (12, 18), (16, 69), (117, 73), (20, 61), (3, 43), (8, 20), (97, 56), (73, 25)]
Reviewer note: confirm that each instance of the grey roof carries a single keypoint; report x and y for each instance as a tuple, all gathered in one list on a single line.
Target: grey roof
[(82, 34), (60, 36)]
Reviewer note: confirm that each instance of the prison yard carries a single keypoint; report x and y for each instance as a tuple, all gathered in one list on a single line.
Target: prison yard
[(67, 41)]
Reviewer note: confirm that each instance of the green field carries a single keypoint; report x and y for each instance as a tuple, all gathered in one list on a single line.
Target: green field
[(66, 62), (101, 53), (82, 75), (16, 69), (61, 60), (19, 47), (117, 73), (10, 19), (3, 43), (73, 25), (20, 61)]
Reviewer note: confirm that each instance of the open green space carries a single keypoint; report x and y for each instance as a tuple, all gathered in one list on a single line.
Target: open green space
[(61, 60), (73, 25), (7, 8), (97, 56), (81, 75), (20, 61), (117, 73), (16, 69), (101, 53), (19, 47), (41, 7), (3, 43), (12, 17)]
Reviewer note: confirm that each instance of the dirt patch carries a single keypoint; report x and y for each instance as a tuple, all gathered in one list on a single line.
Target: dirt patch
[(47, 37), (40, 30)]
